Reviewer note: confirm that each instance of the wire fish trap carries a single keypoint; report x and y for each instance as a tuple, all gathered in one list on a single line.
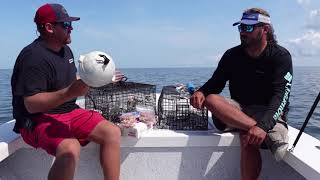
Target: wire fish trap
[(114, 99), (176, 113)]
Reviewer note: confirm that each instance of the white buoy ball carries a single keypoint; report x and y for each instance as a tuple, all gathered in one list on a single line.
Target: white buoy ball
[(96, 68)]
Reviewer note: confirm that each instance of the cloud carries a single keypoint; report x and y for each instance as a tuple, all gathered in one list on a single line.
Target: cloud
[(303, 3), (313, 21), (307, 45), (315, 13)]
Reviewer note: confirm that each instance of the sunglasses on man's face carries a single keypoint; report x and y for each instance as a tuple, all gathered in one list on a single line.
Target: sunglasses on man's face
[(248, 28), (65, 25)]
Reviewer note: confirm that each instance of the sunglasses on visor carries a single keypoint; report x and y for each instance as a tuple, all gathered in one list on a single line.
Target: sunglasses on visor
[(248, 28)]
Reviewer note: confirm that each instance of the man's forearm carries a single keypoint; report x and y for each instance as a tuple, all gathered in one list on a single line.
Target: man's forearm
[(43, 102)]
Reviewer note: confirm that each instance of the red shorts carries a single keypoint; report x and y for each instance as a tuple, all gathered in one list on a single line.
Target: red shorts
[(52, 129)]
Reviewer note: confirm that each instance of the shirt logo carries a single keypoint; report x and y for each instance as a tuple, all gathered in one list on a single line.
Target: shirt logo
[(279, 112), (288, 77), (71, 60)]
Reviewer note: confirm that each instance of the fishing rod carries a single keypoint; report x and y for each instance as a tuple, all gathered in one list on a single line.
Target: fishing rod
[(306, 122)]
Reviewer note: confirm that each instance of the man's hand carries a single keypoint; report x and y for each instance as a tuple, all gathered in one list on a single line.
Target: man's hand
[(118, 76), (77, 88), (255, 136), (197, 100)]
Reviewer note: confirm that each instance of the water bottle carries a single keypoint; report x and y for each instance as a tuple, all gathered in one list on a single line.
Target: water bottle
[(190, 88)]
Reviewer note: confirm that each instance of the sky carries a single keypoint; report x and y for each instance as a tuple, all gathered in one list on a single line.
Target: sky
[(164, 33)]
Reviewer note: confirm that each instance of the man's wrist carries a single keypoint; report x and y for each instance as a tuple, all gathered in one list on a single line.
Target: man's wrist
[(200, 91), (261, 126)]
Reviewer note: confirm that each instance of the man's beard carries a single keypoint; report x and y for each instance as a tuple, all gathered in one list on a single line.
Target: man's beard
[(248, 42)]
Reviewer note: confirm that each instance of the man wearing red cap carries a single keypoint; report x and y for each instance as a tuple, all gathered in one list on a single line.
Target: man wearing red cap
[(259, 72), (45, 89)]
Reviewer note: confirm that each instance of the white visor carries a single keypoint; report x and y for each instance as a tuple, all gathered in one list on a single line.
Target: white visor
[(251, 19)]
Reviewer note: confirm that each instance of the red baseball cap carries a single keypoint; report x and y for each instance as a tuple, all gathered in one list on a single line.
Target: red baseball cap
[(52, 13)]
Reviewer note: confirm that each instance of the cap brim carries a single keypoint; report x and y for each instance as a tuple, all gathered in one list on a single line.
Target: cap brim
[(236, 23), (68, 19), (247, 22)]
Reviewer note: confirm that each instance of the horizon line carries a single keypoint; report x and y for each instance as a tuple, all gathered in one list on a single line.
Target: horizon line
[(175, 67)]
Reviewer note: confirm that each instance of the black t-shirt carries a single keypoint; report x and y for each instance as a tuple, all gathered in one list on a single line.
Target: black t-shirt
[(265, 80), (39, 69)]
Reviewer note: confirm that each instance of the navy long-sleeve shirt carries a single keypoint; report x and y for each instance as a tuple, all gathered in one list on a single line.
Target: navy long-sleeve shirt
[(265, 80)]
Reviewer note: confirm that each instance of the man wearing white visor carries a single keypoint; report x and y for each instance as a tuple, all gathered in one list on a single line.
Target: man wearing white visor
[(255, 18), (259, 72)]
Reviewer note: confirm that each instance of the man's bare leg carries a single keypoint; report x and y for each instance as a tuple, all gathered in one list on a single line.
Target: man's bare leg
[(108, 136), (67, 157), (227, 113), (233, 117), (250, 161)]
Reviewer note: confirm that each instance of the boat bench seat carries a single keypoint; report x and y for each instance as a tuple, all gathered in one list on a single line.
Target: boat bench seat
[(169, 138), (304, 159), (9, 140)]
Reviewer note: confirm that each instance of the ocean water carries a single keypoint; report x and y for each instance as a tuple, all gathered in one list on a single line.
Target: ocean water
[(305, 88)]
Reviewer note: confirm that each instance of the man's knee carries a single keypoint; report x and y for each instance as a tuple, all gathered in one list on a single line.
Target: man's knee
[(212, 99), (113, 133), (215, 99), (106, 132), (69, 148)]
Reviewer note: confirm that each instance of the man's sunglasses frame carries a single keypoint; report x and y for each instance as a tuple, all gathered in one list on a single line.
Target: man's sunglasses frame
[(65, 25), (248, 28)]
